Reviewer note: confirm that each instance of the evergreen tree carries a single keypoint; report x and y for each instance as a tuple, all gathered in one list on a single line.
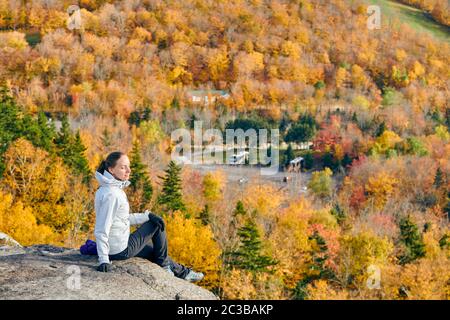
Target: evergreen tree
[(171, 197), (303, 130), (134, 118), (319, 256), (248, 256), (239, 215), (289, 154), (447, 206), (106, 139), (338, 213), (39, 131), (316, 268), (239, 210), (41, 134), (71, 150), (63, 138), (205, 215), (284, 123), (447, 118), (47, 132), (346, 161), (309, 160), (381, 128), (444, 242), (147, 114), (329, 161), (438, 178), (140, 181), (79, 162), (10, 123), (412, 240)]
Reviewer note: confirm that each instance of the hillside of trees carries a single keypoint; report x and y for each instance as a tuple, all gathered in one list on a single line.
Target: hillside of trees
[(374, 103)]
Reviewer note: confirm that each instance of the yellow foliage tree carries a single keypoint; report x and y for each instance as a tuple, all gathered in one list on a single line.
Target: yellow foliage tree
[(142, 35), (264, 198), (359, 79), (149, 132), (425, 279), (289, 243), (417, 71), (245, 64), (213, 186), (442, 132), (321, 290), (321, 183), (43, 183), (18, 221), (193, 245), (238, 284), (400, 55), (341, 77), (387, 140), (380, 187), (15, 40), (218, 63), (360, 251), (290, 49)]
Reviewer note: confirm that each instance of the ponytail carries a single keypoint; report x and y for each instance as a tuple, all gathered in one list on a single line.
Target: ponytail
[(110, 161), (102, 167)]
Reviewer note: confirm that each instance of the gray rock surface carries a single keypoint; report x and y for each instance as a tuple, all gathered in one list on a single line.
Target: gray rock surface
[(48, 272), (9, 246), (8, 241)]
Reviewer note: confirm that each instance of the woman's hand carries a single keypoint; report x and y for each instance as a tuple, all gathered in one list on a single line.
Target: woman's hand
[(156, 219), (104, 267)]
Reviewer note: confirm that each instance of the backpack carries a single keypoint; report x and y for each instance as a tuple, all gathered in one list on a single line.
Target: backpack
[(89, 248)]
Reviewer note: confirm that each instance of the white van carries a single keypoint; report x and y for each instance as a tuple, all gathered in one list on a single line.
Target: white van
[(239, 158)]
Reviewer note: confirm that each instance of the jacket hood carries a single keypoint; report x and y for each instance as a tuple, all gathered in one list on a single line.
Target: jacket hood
[(107, 179)]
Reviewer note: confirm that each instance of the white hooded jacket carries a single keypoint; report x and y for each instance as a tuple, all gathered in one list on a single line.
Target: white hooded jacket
[(112, 216)]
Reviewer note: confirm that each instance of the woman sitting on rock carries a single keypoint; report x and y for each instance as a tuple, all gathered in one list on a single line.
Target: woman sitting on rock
[(113, 220)]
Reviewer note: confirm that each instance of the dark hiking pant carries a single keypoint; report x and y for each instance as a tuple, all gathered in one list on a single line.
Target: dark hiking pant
[(149, 242)]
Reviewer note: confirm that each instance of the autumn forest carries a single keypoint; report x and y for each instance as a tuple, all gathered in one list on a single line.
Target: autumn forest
[(372, 221)]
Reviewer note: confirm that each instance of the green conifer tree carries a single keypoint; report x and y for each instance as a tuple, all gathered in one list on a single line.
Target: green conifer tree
[(289, 155), (47, 132), (139, 178), (171, 197), (381, 128), (316, 268), (205, 215), (79, 160), (412, 240), (10, 124), (106, 139), (248, 256), (71, 149), (239, 210), (438, 178)]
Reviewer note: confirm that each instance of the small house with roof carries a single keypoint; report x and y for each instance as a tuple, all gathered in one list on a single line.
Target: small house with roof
[(207, 96)]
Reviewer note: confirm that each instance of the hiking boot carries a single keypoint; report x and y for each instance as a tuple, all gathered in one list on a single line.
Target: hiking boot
[(168, 269), (193, 276)]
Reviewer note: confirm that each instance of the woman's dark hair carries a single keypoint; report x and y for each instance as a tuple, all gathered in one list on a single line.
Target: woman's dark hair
[(110, 161)]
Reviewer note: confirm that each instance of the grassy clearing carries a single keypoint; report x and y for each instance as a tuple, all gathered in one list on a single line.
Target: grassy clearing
[(420, 21)]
